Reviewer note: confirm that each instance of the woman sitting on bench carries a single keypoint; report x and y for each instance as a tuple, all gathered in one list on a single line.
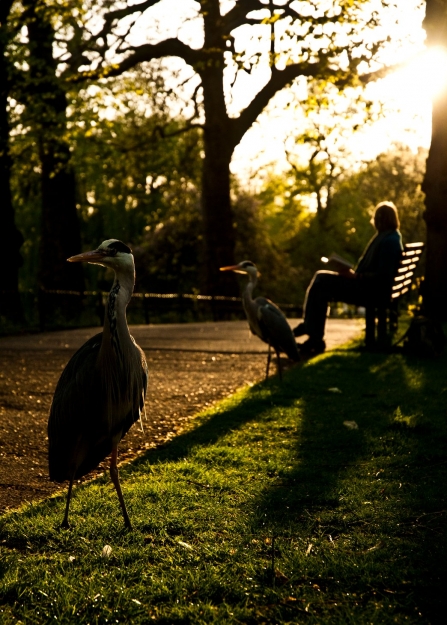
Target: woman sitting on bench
[(369, 283)]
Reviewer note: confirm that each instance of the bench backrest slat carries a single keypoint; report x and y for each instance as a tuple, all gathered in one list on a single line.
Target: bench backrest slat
[(410, 258)]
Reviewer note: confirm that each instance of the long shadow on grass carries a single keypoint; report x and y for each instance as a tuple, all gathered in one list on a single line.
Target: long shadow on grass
[(398, 406), (228, 418)]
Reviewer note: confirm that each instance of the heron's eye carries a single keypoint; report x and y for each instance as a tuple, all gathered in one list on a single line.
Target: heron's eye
[(119, 246)]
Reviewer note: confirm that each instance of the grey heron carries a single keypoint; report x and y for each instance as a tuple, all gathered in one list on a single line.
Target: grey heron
[(101, 391), (265, 319)]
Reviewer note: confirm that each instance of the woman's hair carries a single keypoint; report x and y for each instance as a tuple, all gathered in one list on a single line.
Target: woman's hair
[(386, 217)]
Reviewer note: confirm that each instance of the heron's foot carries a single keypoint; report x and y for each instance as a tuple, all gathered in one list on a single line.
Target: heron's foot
[(311, 347), (300, 329), (65, 525)]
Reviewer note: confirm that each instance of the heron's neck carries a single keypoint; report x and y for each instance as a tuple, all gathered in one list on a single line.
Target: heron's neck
[(247, 295), (115, 321)]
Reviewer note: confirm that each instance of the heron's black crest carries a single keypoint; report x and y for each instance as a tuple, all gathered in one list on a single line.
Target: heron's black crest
[(247, 263), (119, 246)]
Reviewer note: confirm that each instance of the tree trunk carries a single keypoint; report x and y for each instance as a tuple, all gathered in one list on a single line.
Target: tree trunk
[(12, 239), (60, 232), (218, 220), (435, 181)]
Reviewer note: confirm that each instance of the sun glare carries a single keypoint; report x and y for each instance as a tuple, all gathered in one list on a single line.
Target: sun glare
[(425, 74)]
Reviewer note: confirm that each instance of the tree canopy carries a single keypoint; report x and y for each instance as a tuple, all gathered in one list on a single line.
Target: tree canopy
[(123, 119), (288, 40)]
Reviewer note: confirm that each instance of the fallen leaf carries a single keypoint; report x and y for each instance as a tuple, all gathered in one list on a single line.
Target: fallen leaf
[(280, 578), (106, 551), (185, 545), (351, 425), (309, 548), (334, 389), (379, 544)]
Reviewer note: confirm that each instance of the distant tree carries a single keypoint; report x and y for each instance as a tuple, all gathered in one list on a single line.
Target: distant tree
[(12, 239), (138, 178), (130, 175), (46, 104), (395, 175), (307, 40), (332, 119), (258, 238), (435, 185)]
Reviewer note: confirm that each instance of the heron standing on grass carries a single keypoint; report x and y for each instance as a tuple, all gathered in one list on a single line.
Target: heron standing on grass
[(101, 391), (265, 319)]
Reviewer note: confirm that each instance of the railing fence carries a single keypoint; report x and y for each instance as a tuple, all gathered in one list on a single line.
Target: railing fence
[(51, 308)]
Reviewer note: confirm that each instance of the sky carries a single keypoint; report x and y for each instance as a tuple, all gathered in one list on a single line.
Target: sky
[(405, 94)]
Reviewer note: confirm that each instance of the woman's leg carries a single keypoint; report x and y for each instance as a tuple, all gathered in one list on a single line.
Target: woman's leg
[(325, 287)]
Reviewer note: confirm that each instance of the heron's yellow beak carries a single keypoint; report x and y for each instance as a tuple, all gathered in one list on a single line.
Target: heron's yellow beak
[(94, 256), (234, 268), (229, 268)]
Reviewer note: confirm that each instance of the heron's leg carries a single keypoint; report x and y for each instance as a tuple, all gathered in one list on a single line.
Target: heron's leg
[(65, 524), (116, 482), (269, 356), (278, 362)]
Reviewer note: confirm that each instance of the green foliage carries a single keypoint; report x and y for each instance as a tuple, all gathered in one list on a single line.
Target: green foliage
[(345, 227), (138, 174), (26, 197), (267, 510), (258, 239), (397, 176)]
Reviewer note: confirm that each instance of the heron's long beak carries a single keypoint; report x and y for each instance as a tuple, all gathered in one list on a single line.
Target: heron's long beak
[(94, 256), (234, 268)]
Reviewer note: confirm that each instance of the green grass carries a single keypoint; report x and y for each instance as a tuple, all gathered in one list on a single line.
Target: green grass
[(268, 510)]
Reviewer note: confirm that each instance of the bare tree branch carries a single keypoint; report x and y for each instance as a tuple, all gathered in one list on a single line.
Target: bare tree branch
[(237, 15), (279, 79), (165, 135), (148, 52), (114, 16)]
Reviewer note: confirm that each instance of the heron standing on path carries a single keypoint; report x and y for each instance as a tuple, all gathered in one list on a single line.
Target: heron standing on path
[(265, 319), (101, 391)]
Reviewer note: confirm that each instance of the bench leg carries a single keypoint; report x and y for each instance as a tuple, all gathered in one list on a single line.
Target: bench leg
[(394, 317), (382, 335)]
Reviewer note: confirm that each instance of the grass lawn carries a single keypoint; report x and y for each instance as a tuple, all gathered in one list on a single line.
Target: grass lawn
[(267, 510)]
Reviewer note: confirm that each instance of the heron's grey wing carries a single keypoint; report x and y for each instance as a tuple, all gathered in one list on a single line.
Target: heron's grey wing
[(75, 405), (144, 376), (276, 329), (139, 390)]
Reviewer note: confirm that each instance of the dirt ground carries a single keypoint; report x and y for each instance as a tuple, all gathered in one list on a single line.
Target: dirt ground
[(180, 385), (207, 364)]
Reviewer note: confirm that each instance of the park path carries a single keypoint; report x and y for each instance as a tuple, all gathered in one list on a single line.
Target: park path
[(191, 367)]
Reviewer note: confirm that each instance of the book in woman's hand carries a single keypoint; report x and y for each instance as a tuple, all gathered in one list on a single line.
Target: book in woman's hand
[(338, 263)]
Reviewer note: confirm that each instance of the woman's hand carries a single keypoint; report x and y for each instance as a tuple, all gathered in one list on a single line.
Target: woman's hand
[(348, 273)]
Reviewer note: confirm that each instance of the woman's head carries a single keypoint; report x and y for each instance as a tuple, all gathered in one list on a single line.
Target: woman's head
[(386, 217)]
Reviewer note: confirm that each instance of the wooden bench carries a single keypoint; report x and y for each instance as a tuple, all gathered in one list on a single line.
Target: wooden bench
[(387, 314)]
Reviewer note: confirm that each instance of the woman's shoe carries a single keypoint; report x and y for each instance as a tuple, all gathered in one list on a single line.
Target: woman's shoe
[(300, 329), (312, 347)]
